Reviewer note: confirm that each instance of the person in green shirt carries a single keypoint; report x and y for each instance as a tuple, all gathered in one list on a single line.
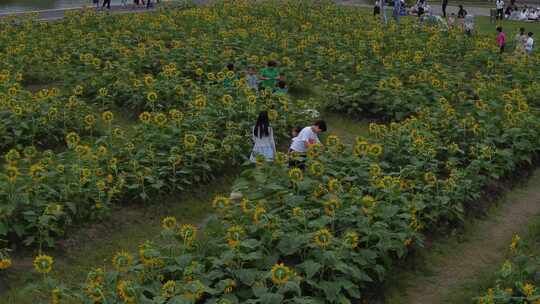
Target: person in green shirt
[(270, 75)]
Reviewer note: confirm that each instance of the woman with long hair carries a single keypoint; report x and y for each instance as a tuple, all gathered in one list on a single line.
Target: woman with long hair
[(263, 139)]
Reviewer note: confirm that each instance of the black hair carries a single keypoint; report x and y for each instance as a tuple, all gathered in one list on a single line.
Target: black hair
[(461, 6), (530, 34), (321, 124), (230, 67), (281, 84), (262, 126), (499, 28), (272, 63), (522, 30)]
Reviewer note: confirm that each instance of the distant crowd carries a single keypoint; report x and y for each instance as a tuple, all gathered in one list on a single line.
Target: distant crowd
[(136, 3)]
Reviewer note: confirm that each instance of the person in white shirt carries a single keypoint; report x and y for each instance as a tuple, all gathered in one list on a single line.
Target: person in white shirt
[(500, 9), (529, 44), (307, 137), (301, 143)]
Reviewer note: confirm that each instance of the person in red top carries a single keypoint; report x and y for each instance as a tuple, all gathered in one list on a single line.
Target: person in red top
[(501, 38)]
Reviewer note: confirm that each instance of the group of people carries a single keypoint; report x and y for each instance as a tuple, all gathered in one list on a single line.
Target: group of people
[(136, 3), (264, 144), (523, 42), (513, 12), (268, 78)]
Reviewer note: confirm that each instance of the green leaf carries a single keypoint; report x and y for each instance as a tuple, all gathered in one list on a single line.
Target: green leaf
[(246, 276), (310, 268), (331, 290), (271, 298)]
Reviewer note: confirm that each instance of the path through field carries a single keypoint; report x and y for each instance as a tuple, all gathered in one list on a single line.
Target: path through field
[(484, 248)]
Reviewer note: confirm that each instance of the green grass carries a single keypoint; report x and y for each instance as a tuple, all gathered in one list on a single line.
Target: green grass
[(94, 245), (421, 265), (484, 26)]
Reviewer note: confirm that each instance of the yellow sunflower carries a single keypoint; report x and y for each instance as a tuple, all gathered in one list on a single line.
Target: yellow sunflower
[(43, 263)]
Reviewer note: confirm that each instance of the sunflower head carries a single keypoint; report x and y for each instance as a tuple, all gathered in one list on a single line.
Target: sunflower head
[(350, 239), (169, 223), (127, 291), (280, 274), (234, 236), (188, 233), (168, 290), (122, 261), (296, 174), (43, 263), (322, 238), (316, 168)]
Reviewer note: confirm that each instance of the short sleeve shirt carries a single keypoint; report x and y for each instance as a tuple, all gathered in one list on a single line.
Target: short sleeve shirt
[(306, 135)]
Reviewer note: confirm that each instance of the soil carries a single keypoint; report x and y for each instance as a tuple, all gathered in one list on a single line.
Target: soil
[(486, 246)]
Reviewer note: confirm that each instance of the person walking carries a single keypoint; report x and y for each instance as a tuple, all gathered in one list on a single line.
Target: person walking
[(307, 137), (444, 5), (529, 44), (96, 3), (377, 8), (397, 10), (501, 39), (263, 139), (107, 3), (500, 10), (461, 12)]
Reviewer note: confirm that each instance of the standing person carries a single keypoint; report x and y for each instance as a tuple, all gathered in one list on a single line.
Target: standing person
[(96, 3), (501, 39), (383, 10), (263, 139), (461, 12), (377, 8), (468, 25), (124, 3), (444, 5), (500, 9), (397, 10), (420, 7), (107, 3), (520, 40), (529, 44), (148, 3), (252, 79), (301, 143), (269, 75)]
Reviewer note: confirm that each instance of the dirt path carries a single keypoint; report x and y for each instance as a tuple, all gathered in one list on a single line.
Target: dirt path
[(484, 247)]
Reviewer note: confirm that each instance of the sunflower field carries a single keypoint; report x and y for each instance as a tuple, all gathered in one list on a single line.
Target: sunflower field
[(453, 116)]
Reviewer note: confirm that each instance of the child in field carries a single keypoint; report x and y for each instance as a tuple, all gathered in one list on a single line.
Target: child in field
[(529, 44), (230, 76), (269, 75), (501, 39), (252, 79), (281, 88)]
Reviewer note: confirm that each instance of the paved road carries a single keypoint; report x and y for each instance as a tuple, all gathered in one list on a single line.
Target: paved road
[(437, 9), (59, 13)]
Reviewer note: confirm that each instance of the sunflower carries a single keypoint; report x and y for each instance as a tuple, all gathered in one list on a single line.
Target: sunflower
[(199, 72), (361, 148), (523, 107), (221, 202), (272, 114), (331, 206), (332, 141), (122, 261), (211, 76), (351, 239), (252, 100), (12, 91), (43, 263), (244, 205), (188, 233), (281, 158), (280, 274), (375, 150), (190, 140), (89, 120), (148, 80), (151, 96), (315, 150), (169, 223), (96, 276), (227, 100), (234, 236), (78, 90), (5, 263), (295, 174), (107, 117), (430, 178), (296, 212), (126, 291), (12, 173), (258, 214), (37, 172), (334, 185), (316, 168), (168, 290), (176, 115), (160, 119), (375, 170), (103, 92), (322, 238), (72, 139), (145, 117)]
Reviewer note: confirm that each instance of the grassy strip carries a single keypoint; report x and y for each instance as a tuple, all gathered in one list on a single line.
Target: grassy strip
[(423, 263), (93, 246)]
